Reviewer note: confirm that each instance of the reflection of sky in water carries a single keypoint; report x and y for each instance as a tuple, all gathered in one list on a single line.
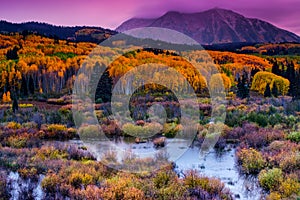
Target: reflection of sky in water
[(174, 148), (216, 165), (222, 167)]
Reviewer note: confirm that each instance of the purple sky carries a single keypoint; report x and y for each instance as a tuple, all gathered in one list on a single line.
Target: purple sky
[(111, 13)]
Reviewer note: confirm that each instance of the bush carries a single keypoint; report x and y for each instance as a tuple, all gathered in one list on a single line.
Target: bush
[(13, 125), (56, 128), (151, 129), (19, 141), (252, 160), (50, 183), (289, 187), (270, 179), (77, 179), (260, 119), (133, 130), (262, 137), (294, 137), (162, 179), (89, 131), (124, 186), (145, 131), (204, 187), (274, 196), (170, 130), (290, 162)]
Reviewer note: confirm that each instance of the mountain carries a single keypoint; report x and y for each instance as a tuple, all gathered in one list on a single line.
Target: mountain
[(77, 33), (216, 26)]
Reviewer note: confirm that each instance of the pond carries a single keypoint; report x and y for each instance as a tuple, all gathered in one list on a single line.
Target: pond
[(216, 164), (220, 165)]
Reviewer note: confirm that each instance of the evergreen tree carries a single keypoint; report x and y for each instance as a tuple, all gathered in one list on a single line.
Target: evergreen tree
[(267, 92), (275, 90), (12, 54), (296, 94), (15, 105), (291, 76), (276, 69), (243, 88)]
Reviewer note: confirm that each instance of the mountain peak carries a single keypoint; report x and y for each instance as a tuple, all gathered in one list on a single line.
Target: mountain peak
[(216, 26)]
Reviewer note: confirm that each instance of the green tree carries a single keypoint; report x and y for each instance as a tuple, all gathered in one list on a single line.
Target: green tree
[(275, 90), (267, 92)]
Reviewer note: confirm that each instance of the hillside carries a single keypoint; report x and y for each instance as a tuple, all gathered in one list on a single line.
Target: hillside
[(77, 33)]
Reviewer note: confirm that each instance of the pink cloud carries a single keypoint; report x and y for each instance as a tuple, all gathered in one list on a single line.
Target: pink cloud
[(110, 14)]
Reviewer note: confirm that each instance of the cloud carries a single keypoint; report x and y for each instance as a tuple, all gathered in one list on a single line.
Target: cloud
[(110, 14)]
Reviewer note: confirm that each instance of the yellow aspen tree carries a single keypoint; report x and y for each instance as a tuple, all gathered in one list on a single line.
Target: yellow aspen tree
[(8, 96), (4, 98)]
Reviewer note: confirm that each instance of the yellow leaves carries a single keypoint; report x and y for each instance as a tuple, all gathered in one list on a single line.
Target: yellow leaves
[(219, 82), (261, 79)]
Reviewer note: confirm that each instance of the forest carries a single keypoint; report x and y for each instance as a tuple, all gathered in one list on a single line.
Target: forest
[(37, 128)]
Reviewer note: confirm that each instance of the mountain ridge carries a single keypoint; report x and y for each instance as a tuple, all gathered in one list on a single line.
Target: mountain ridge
[(215, 26), (76, 33)]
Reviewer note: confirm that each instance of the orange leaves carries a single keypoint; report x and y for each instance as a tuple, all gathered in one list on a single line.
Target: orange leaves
[(6, 97), (239, 61), (158, 65)]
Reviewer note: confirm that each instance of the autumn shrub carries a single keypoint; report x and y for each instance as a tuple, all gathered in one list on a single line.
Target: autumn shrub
[(57, 131), (274, 196), (30, 125), (294, 137), (170, 130), (235, 133), (111, 127), (262, 137), (123, 186), (132, 130), (56, 128), (162, 179), (25, 105), (89, 131), (76, 153), (290, 162), (251, 160), (289, 186), (151, 129), (90, 192), (206, 187), (78, 180), (26, 173), (271, 179), (51, 183), (13, 125), (277, 146), (18, 141), (176, 191)]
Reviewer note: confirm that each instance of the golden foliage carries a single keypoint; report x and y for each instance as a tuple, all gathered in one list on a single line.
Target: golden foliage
[(261, 79)]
